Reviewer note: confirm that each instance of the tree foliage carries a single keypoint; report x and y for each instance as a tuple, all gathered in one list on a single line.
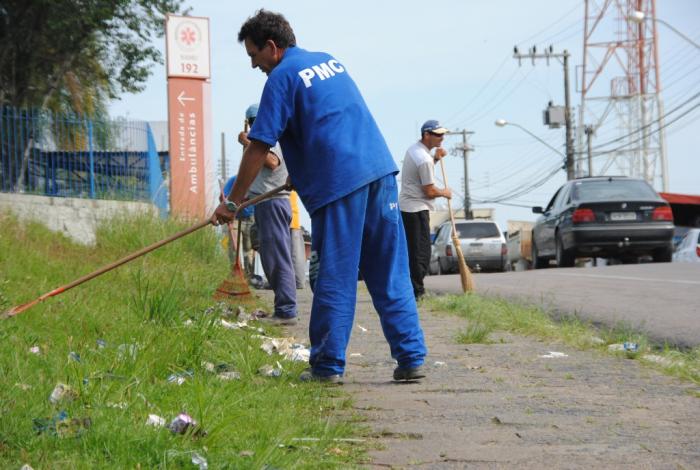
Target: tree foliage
[(75, 54)]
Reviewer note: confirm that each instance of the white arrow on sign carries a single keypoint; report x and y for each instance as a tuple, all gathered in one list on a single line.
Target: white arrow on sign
[(182, 98)]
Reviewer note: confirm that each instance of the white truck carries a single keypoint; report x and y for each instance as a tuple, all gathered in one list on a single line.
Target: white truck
[(519, 244)]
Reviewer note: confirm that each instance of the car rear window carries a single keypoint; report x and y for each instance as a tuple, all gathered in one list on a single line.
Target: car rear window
[(606, 190), (478, 230)]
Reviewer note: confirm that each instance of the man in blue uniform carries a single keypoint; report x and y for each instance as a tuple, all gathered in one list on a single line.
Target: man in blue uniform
[(344, 173)]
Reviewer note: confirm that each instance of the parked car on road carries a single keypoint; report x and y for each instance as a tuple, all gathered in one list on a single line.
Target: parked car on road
[(688, 250), (482, 242), (604, 217)]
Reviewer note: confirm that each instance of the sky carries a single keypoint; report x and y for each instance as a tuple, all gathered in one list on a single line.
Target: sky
[(453, 61)]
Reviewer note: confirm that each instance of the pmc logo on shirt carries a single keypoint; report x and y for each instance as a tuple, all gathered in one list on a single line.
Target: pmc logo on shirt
[(323, 70)]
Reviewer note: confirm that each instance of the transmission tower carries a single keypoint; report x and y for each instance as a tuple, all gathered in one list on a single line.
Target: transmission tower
[(620, 92)]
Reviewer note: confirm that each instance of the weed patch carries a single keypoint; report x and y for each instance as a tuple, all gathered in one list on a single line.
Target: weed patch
[(143, 340), (486, 315)]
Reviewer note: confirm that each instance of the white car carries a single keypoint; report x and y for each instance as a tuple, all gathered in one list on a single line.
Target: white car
[(688, 250), (482, 242)]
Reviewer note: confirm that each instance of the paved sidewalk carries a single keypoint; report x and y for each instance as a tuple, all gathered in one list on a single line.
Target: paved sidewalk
[(501, 405)]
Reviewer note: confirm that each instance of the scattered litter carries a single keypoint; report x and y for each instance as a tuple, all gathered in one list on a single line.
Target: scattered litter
[(156, 421), (270, 371), (630, 346), (101, 344), (62, 392), (62, 426), (627, 347), (35, 350), (26, 466), (269, 346), (180, 377), (246, 453), (663, 361), (616, 347), (121, 405), (355, 354), (233, 326), (184, 423), (362, 328), (286, 347), (199, 461), (440, 364), (188, 322), (597, 340), (22, 386), (554, 354), (223, 371), (128, 351), (229, 375), (74, 356)]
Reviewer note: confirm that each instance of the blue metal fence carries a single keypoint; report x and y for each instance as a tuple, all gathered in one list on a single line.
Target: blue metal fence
[(53, 154)]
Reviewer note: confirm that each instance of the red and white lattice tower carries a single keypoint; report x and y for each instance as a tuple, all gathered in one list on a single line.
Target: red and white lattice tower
[(620, 92)]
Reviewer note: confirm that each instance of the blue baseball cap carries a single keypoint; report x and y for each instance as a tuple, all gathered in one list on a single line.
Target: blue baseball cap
[(252, 111), (432, 126)]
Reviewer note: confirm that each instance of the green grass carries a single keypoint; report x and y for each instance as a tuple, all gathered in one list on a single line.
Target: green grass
[(488, 315), (139, 310)]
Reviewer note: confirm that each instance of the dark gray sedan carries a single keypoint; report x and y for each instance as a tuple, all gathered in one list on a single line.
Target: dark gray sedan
[(603, 217)]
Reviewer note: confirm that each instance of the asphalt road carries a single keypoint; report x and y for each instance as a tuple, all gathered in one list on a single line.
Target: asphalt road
[(662, 300)]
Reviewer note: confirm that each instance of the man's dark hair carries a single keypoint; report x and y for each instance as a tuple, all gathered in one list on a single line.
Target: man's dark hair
[(266, 25)]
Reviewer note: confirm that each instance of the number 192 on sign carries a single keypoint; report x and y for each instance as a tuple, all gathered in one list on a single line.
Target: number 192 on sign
[(186, 67)]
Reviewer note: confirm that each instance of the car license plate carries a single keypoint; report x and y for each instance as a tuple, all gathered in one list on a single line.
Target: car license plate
[(616, 216)]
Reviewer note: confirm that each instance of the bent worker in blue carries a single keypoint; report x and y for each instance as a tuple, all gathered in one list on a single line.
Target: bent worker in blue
[(343, 171)]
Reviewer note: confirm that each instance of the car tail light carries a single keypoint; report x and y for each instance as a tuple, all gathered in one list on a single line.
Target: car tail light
[(448, 250), (697, 251), (662, 213), (582, 216), (504, 249)]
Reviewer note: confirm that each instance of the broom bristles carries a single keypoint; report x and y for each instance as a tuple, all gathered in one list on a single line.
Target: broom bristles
[(465, 274)]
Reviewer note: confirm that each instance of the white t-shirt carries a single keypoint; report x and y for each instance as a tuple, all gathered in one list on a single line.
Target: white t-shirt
[(418, 170)]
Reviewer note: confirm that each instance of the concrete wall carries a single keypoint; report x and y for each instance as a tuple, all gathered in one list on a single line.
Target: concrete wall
[(76, 218)]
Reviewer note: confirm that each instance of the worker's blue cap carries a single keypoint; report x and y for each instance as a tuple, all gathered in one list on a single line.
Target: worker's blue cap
[(432, 126), (252, 111)]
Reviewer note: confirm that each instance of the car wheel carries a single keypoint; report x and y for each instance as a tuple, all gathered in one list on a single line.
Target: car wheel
[(663, 255), (439, 268), (565, 258), (537, 261)]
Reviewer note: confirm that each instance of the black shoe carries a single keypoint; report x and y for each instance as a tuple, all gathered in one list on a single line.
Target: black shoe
[(282, 321), (309, 376), (409, 373)]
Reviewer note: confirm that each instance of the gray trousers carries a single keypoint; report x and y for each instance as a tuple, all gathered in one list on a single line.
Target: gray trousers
[(272, 218)]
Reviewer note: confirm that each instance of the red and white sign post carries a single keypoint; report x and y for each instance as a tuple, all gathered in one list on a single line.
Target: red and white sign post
[(189, 116)]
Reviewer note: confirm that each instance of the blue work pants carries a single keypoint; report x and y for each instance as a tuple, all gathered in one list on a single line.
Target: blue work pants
[(361, 230)]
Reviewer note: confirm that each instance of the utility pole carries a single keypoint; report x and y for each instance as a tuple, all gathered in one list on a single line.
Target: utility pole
[(549, 53), (223, 156), (588, 130), (465, 148)]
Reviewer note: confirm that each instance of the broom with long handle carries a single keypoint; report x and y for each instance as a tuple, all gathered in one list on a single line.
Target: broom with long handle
[(464, 274), (21, 308)]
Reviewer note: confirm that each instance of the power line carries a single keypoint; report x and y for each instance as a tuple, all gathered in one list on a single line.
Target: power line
[(650, 124), (622, 147)]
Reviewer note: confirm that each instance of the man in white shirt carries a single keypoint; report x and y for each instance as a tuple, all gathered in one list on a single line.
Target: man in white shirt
[(416, 199)]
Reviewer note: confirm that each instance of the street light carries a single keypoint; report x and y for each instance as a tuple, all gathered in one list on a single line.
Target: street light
[(639, 17), (503, 123)]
